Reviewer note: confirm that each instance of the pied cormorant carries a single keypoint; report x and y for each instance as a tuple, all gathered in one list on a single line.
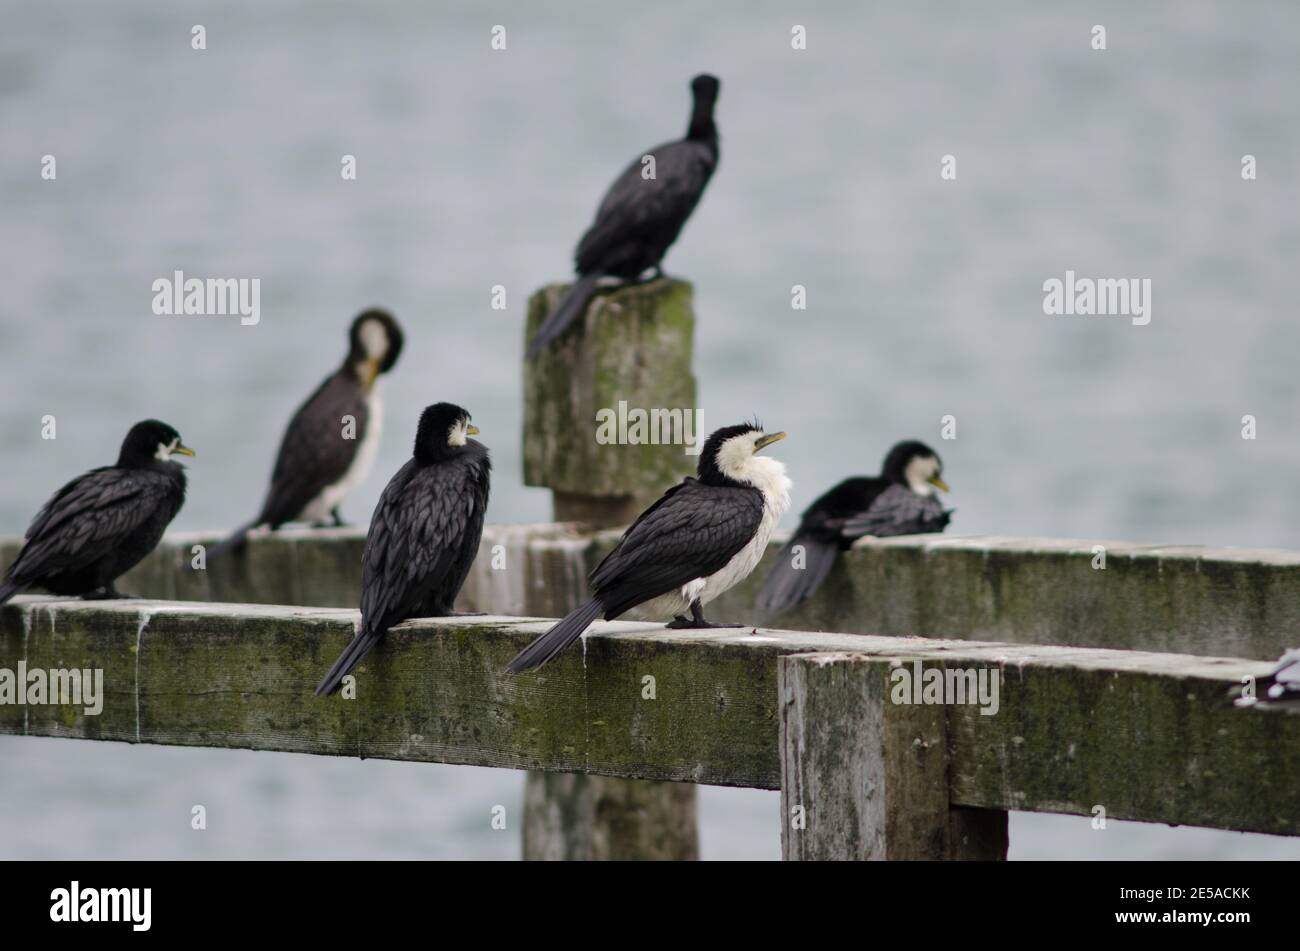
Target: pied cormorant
[(332, 440), (900, 501), (424, 534), (641, 216), (702, 537), (99, 525)]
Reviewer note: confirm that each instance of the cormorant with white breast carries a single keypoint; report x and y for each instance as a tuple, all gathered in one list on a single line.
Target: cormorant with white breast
[(99, 525), (702, 537), (642, 213), (900, 501), (333, 438), (424, 534)]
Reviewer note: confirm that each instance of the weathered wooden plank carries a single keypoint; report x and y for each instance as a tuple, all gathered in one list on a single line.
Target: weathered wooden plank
[(1181, 599), (866, 778), (1143, 734), (1211, 601)]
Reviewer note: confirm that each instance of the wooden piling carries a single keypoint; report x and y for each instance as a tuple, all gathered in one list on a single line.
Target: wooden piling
[(627, 359), (866, 778)]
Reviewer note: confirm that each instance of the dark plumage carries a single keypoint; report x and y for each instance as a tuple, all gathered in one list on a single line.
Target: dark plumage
[(897, 502), (317, 465), (700, 538), (99, 525), (640, 217), (424, 533)]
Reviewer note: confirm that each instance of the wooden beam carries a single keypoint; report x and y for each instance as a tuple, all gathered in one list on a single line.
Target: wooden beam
[(1182, 599), (1146, 736), (865, 778)]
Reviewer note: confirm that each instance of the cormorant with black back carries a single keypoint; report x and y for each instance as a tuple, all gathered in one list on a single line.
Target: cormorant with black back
[(331, 442), (703, 536), (423, 535), (900, 501), (102, 523), (642, 213)]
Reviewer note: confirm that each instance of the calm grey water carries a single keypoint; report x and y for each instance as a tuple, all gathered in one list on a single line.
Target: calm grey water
[(478, 168)]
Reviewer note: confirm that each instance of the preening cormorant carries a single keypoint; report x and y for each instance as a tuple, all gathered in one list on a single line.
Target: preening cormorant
[(99, 525), (641, 216), (900, 501), (424, 533), (702, 536), (323, 455)]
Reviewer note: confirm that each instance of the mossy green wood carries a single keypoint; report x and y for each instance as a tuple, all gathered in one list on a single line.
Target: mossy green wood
[(1144, 735), (1194, 600), (634, 345), (865, 778)]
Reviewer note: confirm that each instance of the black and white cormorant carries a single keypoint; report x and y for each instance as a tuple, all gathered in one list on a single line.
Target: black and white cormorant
[(322, 456), (1281, 687), (99, 525), (900, 501), (640, 217), (702, 537), (424, 534)]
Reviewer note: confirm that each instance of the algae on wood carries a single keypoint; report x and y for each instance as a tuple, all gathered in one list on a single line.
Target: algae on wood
[(1187, 599), (632, 346), (1145, 735), (865, 778)]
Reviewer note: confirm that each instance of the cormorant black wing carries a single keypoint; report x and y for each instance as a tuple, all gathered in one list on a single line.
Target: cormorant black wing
[(691, 532), (423, 536), (638, 212), (898, 511), (314, 453), (825, 518), (90, 516)]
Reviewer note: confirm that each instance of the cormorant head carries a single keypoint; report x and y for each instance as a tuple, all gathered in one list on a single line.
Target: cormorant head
[(705, 90), (705, 87), (374, 341), (728, 456), (915, 465), (444, 428), (148, 442)]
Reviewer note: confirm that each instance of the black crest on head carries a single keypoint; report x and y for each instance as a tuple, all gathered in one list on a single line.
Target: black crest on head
[(707, 468), (435, 424), (141, 443), (904, 452)]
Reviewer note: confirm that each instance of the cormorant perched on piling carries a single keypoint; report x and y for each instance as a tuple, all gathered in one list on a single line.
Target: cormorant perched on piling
[(323, 456), (702, 537), (99, 525), (424, 534), (900, 501), (641, 216), (1280, 687)]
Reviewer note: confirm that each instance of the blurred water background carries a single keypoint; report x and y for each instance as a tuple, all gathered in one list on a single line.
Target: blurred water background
[(479, 167)]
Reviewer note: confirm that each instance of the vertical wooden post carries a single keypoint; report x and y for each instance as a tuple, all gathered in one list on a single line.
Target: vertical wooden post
[(628, 356), (865, 778)]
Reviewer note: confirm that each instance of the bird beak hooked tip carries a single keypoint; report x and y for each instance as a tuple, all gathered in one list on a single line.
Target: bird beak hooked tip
[(768, 440), (939, 483), (183, 450)]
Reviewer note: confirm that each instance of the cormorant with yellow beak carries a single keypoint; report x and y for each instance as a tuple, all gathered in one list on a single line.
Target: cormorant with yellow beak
[(899, 501), (99, 525)]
